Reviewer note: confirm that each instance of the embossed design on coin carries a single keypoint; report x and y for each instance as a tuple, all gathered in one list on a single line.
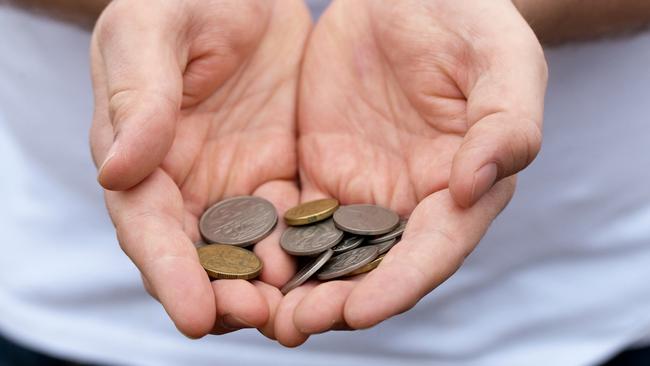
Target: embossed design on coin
[(226, 261), (311, 212), (385, 246), (368, 267), (393, 234), (363, 219), (239, 221), (348, 243), (312, 239), (347, 262), (307, 271)]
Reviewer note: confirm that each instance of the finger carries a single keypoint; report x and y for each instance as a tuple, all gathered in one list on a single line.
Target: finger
[(285, 329), (279, 266), (138, 74), (309, 191), (504, 111), (429, 253), (273, 298), (148, 222), (148, 287), (322, 308), (240, 304)]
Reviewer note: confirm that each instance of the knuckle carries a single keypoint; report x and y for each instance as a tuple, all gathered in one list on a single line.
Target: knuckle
[(126, 101), (532, 136)]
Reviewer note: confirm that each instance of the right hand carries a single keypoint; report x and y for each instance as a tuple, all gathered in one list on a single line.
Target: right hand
[(195, 102)]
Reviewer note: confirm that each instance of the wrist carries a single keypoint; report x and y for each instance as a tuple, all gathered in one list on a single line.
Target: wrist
[(557, 21), (80, 12)]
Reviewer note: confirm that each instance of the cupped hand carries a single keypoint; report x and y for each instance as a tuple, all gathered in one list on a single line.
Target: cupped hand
[(428, 108), (195, 102)]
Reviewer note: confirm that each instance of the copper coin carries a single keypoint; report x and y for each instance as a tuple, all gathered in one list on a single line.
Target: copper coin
[(399, 230), (348, 262), (348, 243), (311, 212), (239, 221), (311, 239), (229, 262), (363, 219), (307, 271)]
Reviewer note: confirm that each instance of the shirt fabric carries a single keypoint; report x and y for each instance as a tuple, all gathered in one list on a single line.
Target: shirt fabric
[(560, 278)]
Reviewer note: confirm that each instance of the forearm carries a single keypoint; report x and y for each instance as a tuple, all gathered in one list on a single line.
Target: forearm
[(80, 12), (556, 21)]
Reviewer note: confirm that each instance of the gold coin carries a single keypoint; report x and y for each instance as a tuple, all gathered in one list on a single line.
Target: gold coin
[(227, 261), (311, 212), (368, 267)]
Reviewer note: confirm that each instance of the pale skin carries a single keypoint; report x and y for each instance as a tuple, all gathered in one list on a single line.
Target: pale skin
[(195, 102), (201, 100), (411, 106)]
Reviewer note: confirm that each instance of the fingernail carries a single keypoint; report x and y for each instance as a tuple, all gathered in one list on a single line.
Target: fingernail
[(484, 179), (232, 322), (109, 156)]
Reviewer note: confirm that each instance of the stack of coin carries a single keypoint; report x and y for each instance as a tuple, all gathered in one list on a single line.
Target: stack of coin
[(227, 227), (339, 241), (335, 241)]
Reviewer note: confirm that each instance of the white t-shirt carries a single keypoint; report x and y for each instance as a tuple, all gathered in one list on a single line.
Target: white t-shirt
[(560, 279)]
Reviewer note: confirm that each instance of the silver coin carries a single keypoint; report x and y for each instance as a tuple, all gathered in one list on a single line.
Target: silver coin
[(200, 244), (239, 221), (393, 234), (347, 262), (307, 271), (348, 243), (363, 219), (310, 239), (385, 246)]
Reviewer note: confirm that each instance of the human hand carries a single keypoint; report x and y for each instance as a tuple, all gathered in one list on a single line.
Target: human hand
[(194, 102), (420, 107)]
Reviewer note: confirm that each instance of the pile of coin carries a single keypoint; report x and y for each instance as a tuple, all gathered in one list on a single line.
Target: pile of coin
[(334, 241)]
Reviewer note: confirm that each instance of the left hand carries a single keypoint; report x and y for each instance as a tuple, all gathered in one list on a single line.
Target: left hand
[(428, 108)]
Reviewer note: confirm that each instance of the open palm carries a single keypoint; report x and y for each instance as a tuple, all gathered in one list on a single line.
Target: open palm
[(195, 102), (421, 107)]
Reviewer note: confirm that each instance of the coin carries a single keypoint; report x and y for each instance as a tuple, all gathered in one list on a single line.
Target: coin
[(365, 219), (348, 243), (311, 212), (368, 267), (393, 234), (307, 271), (227, 261), (239, 221), (385, 246), (311, 239), (347, 262), (200, 243)]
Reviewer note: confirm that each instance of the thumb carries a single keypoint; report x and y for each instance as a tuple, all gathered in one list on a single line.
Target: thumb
[(504, 111), (137, 80), (498, 146)]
